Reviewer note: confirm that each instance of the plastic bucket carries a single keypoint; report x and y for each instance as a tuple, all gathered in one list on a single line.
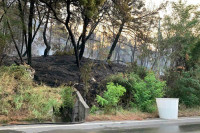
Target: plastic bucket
[(167, 108)]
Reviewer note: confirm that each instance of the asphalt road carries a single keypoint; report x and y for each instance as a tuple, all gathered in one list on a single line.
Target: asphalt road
[(195, 128), (182, 125)]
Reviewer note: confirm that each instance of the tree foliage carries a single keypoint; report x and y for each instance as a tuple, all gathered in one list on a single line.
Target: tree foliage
[(132, 16), (182, 33)]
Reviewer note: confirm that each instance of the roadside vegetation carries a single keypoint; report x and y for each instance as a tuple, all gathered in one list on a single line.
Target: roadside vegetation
[(180, 80), (21, 99), (130, 91), (163, 58), (142, 87)]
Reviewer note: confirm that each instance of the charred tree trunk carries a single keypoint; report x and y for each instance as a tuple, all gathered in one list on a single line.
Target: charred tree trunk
[(116, 40), (48, 47), (30, 29), (86, 22), (50, 36), (76, 50), (22, 47), (23, 27)]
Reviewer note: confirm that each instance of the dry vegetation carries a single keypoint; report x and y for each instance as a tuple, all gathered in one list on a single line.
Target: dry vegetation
[(120, 116), (188, 112), (138, 115), (21, 99)]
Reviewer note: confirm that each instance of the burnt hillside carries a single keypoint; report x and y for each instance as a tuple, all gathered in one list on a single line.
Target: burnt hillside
[(62, 70)]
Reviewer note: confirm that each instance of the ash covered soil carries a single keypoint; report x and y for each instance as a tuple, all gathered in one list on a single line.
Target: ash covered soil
[(62, 70)]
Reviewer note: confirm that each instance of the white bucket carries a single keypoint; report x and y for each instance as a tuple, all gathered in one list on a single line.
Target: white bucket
[(167, 107)]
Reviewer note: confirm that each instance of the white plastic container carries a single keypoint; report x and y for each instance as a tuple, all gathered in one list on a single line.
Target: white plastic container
[(167, 107)]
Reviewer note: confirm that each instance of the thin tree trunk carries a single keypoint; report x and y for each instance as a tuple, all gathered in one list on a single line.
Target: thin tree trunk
[(155, 62), (22, 47), (115, 41), (86, 22), (116, 53), (48, 47), (50, 37), (134, 49), (23, 26), (76, 51), (30, 28)]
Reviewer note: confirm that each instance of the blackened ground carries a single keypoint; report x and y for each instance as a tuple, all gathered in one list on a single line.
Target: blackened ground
[(60, 70)]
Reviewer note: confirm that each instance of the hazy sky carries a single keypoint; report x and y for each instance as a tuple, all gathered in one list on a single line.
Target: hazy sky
[(152, 4), (158, 2)]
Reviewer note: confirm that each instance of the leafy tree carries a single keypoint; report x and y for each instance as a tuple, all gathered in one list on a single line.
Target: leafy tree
[(23, 20), (130, 15), (6, 6), (185, 86), (87, 13), (195, 55), (182, 33)]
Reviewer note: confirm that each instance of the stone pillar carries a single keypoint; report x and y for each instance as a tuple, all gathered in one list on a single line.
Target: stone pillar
[(81, 109)]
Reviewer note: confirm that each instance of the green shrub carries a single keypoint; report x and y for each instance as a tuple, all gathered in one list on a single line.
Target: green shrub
[(147, 91), (185, 86), (111, 97), (65, 109), (67, 97), (93, 109), (121, 79), (128, 81), (140, 92)]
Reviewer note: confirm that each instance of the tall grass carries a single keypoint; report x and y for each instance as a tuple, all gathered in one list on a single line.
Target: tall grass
[(18, 93)]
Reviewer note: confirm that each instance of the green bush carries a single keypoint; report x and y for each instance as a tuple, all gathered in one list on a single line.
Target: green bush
[(147, 91), (128, 81), (185, 86), (140, 91), (65, 109), (67, 97), (94, 109), (111, 97)]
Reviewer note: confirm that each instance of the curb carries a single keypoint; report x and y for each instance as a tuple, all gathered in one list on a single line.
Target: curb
[(105, 124)]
